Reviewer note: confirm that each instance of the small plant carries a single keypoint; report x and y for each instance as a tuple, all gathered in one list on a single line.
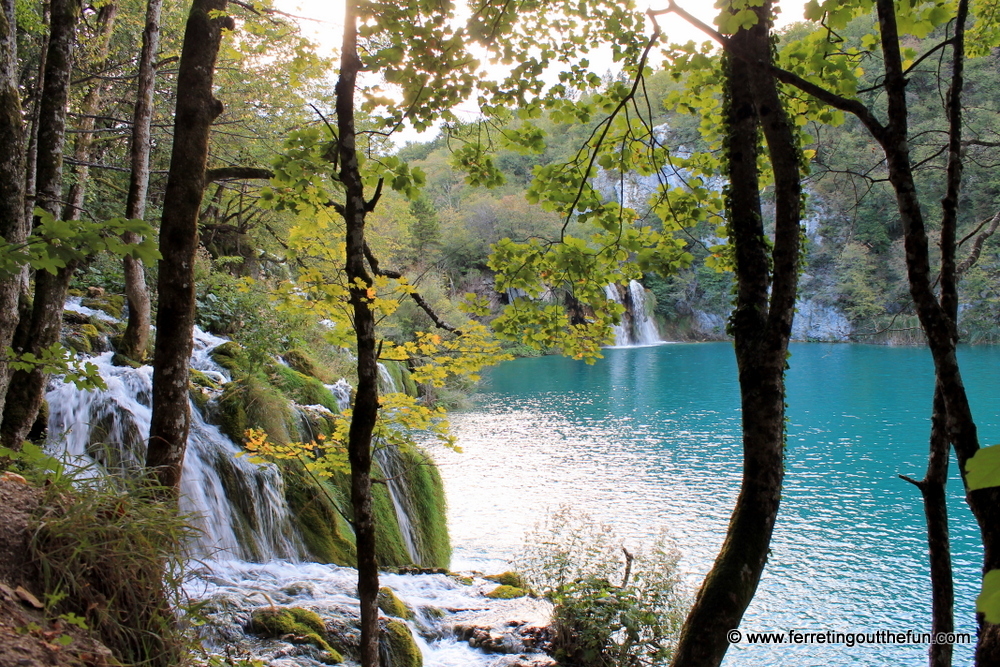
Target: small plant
[(612, 608)]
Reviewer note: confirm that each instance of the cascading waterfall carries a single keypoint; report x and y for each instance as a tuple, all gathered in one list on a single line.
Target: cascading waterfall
[(238, 507), (394, 470), (637, 326)]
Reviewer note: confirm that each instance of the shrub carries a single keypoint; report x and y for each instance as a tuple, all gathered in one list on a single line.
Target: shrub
[(610, 610)]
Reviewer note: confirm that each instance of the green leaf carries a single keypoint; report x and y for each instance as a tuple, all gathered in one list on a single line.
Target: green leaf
[(983, 470), (988, 602)]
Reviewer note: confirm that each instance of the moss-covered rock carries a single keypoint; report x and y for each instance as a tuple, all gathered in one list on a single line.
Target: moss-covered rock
[(314, 504), (252, 403), (506, 593), (391, 605), (230, 356), (401, 378), (112, 304), (429, 510), (397, 646), (303, 389), (294, 624), (507, 579), (302, 362), (199, 379)]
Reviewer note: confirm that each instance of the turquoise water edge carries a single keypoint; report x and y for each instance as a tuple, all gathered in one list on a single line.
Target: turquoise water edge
[(650, 438)]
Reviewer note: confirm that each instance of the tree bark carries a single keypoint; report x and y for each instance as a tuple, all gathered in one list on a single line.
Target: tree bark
[(359, 446), (136, 336), (196, 110), (761, 326), (13, 223), (25, 393)]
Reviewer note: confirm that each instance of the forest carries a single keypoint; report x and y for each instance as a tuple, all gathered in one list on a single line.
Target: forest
[(236, 310)]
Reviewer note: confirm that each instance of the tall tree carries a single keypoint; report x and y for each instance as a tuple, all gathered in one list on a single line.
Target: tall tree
[(136, 335), (196, 109), (13, 222), (25, 393), (90, 107)]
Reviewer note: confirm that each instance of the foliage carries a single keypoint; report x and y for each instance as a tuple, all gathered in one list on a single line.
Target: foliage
[(115, 559), (575, 562)]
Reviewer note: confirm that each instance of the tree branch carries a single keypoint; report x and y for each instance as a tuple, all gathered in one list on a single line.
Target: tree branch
[(419, 300), (236, 173)]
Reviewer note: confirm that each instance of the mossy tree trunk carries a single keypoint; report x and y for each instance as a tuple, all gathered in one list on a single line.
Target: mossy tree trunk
[(767, 280), (359, 445), (195, 112), (13, 223), (136, 336), (25, 393)]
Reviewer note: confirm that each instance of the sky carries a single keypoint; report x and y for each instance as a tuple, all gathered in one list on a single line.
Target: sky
[(322, 22)]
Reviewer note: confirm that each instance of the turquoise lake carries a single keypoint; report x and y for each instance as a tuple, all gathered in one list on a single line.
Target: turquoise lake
[(650, 438)]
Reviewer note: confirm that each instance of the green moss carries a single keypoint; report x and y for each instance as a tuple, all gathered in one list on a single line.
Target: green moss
[(325, 532), (230, 356), (199, 397), (390, 549), (199, 379), (112, 304), (294, 624), (401, 377), (303, 389), (508, 579), (427, 502), (462, 579), (397, 647), (506, 593), (252, 403), (302, 362), (74, 339), (389, 603)]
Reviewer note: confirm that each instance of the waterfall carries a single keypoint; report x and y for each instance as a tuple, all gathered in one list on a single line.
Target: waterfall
[(394, 472), (392, 467), (238, 507), (637, 326)]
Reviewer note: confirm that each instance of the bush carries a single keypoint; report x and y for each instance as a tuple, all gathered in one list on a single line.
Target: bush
[(612, 608)]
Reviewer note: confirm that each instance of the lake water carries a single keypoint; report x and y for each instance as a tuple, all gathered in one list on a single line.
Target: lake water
[(650, 438)]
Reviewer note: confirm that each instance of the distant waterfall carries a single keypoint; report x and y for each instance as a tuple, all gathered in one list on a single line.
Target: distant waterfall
[(239, 507), (637, 326)]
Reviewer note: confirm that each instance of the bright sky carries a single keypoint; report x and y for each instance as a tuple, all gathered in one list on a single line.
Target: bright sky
[(323, 23)]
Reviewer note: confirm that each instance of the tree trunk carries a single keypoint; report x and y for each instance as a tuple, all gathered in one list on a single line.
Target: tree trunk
[(938, 319), (88, 110), (25, 394), (13, 223), (761, 326), (932, 489), (136, 336), (366, 399), (196, 110)]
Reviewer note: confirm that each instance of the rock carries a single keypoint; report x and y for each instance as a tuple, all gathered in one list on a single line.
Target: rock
[(504, 592), (508, 579), (397, 648), (295, 625), (391, 605)]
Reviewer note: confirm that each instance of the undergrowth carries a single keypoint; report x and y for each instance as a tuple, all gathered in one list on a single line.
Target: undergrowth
[(112, 552)]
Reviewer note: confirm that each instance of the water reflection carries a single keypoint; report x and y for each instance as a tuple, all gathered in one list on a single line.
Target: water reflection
[(650, 437)]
